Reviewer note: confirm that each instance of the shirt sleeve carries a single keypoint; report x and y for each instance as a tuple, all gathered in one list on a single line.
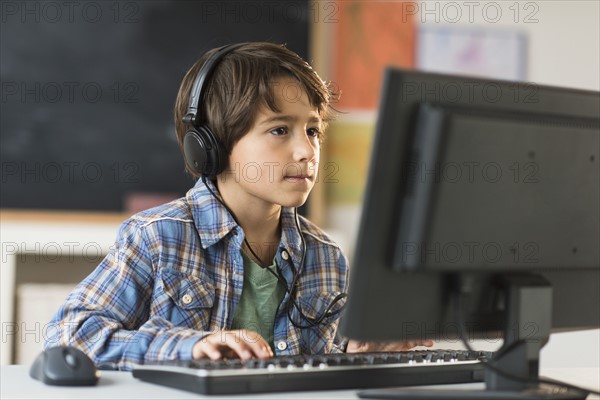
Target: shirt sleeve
[(340, 344), (108, 314)]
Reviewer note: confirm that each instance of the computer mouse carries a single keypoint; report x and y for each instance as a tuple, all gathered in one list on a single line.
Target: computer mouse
[(64, 366)]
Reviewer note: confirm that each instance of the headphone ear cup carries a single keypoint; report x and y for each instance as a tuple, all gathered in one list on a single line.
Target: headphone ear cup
[(202, 152)]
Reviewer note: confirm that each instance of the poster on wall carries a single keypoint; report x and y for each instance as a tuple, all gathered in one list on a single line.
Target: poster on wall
[(498, 54), (369, 36)]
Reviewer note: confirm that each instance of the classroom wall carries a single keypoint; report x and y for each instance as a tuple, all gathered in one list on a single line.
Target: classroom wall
[(565, 45), (564, 36)]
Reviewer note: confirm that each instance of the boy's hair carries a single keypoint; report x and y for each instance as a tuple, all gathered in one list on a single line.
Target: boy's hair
[(243, 81)]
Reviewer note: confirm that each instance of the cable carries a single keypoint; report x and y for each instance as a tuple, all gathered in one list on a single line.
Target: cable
[(312, 322), (262, 263), (486, 363)]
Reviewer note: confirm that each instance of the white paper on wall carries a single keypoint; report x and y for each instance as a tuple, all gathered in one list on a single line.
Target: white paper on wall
[(499, 54)]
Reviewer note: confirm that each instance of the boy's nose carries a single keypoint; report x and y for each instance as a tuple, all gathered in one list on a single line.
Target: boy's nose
[(304, 149)]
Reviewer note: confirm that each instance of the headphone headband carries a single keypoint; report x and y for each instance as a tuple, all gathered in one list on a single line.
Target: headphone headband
[(192, 116), (203, 153)]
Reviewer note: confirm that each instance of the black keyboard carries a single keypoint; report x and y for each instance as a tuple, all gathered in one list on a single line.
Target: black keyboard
[(318, 372)]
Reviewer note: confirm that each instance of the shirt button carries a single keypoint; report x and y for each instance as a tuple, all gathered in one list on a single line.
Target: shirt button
[(187, 299), (285, 255), (281, 345)]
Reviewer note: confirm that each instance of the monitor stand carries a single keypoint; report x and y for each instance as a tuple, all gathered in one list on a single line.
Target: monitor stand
[(527, 330)]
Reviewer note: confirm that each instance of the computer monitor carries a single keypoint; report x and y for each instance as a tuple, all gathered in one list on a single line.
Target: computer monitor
[(480, 218)]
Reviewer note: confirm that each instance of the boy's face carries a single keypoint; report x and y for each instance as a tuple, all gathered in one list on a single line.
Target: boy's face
[(276, 161)]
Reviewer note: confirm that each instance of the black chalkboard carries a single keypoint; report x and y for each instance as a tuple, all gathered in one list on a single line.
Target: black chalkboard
[(88, 89)]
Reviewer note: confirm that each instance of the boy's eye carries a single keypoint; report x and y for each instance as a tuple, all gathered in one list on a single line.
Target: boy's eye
[(279, 131), (313, 132)]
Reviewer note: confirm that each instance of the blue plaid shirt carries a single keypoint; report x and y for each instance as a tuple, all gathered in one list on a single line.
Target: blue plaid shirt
[(175, 274)]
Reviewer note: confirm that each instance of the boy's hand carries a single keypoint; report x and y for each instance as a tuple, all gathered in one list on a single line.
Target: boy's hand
[(355, 346), (242, 344)]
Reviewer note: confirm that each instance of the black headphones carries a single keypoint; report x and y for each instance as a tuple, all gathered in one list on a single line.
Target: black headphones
[(203, 152)]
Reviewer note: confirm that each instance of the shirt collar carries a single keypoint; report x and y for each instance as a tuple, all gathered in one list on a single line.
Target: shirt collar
[(290, 238), (211, 218), (213, 221)]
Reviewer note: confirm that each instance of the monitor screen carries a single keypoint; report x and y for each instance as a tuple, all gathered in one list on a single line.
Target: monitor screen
[(481, 213)]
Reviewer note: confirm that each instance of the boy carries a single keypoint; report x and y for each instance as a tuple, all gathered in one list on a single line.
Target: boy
[(229, 270)]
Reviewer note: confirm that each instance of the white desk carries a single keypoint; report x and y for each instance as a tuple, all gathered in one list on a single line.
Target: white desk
[(16, 384)]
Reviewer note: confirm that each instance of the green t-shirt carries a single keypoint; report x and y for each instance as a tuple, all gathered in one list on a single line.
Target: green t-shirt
[(261, 296)]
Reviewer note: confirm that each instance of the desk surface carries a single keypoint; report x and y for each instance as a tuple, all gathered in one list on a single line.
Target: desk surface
[(15, 383)]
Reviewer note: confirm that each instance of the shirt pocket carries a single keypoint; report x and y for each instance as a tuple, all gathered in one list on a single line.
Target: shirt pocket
[(313, 306), (190, 299)]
